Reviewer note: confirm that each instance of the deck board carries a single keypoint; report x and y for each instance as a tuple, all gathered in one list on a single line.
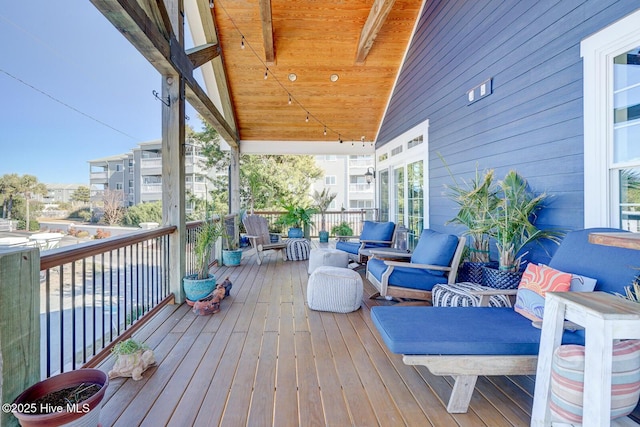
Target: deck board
[(267, 360)]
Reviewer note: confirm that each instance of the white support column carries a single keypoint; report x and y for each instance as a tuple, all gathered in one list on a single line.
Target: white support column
[(234, 180)]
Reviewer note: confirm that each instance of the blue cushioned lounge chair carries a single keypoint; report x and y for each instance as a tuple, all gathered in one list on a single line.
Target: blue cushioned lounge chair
[(434, 261), (374, 235), (465, 342)]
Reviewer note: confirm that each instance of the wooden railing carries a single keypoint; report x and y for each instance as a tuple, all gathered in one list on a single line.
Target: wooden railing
[(355, 219), (94, 292)]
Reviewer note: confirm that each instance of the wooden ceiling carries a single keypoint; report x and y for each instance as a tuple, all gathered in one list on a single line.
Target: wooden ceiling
[(313, 39)]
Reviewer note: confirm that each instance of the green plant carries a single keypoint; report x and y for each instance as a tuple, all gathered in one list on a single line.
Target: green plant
[(230, 243), (322, 201), (342, 229), (477, 199), (128, 346), (632, 291), (210, 231), (296, 216), (512, 221)]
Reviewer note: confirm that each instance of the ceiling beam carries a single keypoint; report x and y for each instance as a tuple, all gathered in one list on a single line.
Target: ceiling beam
[(167, 56), (267, 32), (377, 16), (202, 54)]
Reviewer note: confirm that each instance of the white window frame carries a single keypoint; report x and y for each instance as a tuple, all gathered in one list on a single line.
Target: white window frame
[(330, 180), (598, 51), (408, 156)]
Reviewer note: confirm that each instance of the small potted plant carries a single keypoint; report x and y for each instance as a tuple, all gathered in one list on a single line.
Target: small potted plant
[(200, 284), (70, 398), (342, 230), (296, 217), (231, 252), (322, 201), (132, 358)]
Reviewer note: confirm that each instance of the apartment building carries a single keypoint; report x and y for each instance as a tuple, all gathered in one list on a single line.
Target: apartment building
[(344, 175), (139, 174)]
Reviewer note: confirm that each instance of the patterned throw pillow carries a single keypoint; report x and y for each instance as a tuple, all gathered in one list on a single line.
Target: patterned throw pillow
[(536, 281), (567, 381)]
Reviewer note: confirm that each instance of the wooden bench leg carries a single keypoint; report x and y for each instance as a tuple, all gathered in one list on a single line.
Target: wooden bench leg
[(461, 394)]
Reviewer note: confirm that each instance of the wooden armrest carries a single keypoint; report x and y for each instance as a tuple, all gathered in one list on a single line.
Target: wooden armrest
[(568, 325), (381, 253), (376, 241), (414, 265)]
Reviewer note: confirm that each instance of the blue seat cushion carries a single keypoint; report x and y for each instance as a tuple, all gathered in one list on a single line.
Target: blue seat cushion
[(459, 331), (377, 231), (414, 278), (350, 247), (435, 248)]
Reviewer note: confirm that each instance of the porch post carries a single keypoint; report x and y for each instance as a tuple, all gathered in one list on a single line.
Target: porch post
[(234, 180), (19, 324), (173, 170)]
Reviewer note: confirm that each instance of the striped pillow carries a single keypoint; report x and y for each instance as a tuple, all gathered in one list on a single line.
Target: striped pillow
[(567, 381)]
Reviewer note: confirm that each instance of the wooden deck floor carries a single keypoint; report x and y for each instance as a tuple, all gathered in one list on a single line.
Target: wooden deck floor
[(267, 360)]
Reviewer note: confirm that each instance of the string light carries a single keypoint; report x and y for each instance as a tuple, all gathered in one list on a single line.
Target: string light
[(211, 4), (244, 43)]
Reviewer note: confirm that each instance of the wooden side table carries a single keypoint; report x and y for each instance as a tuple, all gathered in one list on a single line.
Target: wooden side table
[(605, 317)]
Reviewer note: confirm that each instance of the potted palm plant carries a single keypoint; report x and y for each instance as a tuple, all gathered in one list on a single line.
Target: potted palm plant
[(296, 217), (512, 227), (322, 201), (231, 252), (200, 284), (477, 199)]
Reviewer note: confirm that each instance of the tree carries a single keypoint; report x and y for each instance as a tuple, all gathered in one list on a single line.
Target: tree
[(14, 186), (9, 184), (264, 179), (144, 212), (112, 205), (82, 194)]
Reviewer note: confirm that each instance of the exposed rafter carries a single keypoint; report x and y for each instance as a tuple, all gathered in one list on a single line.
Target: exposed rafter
[(377, 16), (267, 31), (202, 54), (166, 55)]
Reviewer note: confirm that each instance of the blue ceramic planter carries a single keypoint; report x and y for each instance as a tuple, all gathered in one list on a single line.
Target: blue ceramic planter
[(196, 289), (295, 233), (231, 258)]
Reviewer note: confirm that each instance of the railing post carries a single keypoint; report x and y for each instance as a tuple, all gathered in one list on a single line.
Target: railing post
[(19, 324)]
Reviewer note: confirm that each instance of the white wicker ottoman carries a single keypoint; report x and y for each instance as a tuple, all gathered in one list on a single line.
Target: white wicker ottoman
[(297, 249), (334, 289), (327, 256)]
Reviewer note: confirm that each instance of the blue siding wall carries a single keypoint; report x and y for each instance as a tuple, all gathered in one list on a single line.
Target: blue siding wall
[(533, 120)]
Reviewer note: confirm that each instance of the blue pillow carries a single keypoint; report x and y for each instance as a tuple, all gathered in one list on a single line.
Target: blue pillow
[(435, 248)]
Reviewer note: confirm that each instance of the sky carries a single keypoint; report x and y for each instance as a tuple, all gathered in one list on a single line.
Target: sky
[(77, 58)]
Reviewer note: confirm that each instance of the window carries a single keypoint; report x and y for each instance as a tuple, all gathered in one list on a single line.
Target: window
[(330, 180), (360, 204), (119, 167), (612, 125), (415, 201), (383, 177), (118, 186)]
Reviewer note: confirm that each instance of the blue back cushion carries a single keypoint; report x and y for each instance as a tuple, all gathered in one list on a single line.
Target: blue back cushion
[(377, 231), (435, 248), (613, 268)]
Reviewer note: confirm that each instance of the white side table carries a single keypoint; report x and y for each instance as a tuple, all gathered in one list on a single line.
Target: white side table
[(605, 317)]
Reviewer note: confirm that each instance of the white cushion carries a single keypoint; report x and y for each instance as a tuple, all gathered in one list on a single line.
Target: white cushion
[(327, 256), (334, 289)]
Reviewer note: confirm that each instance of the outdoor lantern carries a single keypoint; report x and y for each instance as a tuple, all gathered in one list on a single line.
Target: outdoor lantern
[(369, 175), (401, 237)]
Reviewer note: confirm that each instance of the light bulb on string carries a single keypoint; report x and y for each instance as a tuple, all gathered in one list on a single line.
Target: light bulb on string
[(242, 43), (325, 131), (339, 139), (289, 99), (307, 119), (266, 73), (211, 4)]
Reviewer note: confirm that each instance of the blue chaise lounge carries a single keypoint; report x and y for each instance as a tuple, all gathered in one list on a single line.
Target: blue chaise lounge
[(465, 342)]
